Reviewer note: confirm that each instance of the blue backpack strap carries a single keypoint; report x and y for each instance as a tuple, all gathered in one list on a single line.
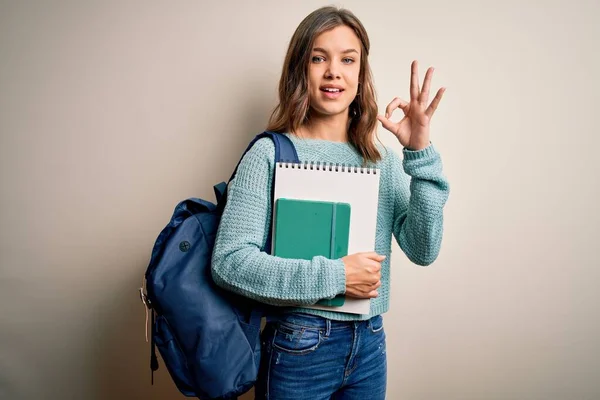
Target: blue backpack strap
[(284, 151), (287, 151), (220, 190), (284, 148)]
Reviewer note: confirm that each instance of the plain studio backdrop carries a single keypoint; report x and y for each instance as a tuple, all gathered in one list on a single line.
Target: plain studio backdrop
[(111, 112)]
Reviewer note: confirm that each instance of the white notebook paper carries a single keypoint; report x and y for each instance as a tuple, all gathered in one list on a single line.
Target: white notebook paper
[(325, 182)]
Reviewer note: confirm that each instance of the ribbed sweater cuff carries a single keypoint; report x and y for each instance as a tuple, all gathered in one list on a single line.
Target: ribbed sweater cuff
[(341, 272), (428, 151)]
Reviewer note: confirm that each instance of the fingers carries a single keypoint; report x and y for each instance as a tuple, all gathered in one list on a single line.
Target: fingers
[(361, 295), (389, 110), (396, 103), (373, 263), (374, 271), (370, 254), (366, 288), (379, 258), (424, 96), (374, 256), (364, 281), (416, 94), (414, 81), (387, 124), (369, 293), (363, 292), (434, 104)]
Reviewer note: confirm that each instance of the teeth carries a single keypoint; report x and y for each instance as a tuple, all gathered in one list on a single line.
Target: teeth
[(331, 90)]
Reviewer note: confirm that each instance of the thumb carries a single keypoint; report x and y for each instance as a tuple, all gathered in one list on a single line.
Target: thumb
[(387, 124), (376, 257)]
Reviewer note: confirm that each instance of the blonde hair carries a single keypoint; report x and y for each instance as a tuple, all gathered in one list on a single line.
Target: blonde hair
[(293, 108)]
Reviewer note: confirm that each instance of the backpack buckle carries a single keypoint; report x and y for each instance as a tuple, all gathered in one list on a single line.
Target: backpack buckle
[(145, 298)]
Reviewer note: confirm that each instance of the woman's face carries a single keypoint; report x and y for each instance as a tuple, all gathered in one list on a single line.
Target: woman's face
[(334, 70)]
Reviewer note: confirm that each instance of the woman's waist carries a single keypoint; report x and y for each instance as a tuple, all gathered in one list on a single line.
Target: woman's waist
[(312, 321)]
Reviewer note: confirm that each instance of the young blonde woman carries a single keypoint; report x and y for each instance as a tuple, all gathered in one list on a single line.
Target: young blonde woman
[(327, 108)]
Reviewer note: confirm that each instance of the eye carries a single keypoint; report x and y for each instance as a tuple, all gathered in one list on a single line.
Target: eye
[(318, 59), (348, 60)]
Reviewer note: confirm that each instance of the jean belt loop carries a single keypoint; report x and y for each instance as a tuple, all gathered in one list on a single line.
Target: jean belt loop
[(327, 327)]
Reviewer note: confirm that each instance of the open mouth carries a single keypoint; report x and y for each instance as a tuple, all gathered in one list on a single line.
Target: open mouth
[(331, 92)]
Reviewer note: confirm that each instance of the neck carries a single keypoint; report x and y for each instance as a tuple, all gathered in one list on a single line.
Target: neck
[(331, 127)]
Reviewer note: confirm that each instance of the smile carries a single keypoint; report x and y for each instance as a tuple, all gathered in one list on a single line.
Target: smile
[(331, 93)]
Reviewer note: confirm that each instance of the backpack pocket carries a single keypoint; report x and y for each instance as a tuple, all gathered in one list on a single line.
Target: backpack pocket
[(172, 355)]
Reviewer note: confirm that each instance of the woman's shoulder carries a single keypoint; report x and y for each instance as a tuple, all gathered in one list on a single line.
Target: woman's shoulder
[(262, 151), (255, 167)]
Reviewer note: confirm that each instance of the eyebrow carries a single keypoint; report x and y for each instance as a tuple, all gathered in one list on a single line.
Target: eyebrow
[(343, 52)]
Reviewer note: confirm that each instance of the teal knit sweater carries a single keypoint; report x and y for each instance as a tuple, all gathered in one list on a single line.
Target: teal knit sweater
[(412, 195)]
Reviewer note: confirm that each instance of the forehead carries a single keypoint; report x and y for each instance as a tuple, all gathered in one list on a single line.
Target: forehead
[(338, 39)]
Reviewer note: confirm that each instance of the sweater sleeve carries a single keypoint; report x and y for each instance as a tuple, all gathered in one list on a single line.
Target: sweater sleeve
[(420, 195), (239, 262)]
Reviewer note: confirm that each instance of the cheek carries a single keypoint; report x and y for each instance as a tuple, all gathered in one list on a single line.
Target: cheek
[(352, 78), (314, 78), (355, 78), (353, 85)]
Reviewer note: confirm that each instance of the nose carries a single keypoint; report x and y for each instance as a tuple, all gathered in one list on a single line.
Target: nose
[(332, 71)]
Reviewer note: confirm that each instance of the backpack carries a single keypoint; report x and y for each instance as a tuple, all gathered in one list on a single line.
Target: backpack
[(209, 338)]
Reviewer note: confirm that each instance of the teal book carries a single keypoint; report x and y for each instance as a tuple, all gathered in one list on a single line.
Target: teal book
[(305, 229)]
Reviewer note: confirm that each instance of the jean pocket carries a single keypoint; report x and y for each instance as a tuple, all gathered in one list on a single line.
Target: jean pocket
[(295, 339), (376, 324)]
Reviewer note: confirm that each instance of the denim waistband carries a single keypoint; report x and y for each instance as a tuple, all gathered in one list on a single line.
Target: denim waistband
[(318, 322)]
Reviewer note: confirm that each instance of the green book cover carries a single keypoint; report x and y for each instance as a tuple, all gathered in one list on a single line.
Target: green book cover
[(305, 229)]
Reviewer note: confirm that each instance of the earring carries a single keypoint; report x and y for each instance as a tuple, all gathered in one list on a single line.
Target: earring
[(355, 106)]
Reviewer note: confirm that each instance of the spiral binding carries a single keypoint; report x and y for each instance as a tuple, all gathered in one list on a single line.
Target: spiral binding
[(325, 166)]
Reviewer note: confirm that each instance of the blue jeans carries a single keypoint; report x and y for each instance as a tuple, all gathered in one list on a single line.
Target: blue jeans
[(310, 357)]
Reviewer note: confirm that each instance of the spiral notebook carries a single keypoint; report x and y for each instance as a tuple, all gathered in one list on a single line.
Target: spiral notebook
[(356, 186)]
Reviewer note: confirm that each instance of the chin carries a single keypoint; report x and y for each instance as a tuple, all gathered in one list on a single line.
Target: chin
[(330, 110)]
